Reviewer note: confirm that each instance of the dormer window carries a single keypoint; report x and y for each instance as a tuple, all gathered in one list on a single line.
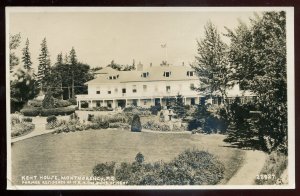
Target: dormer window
[(167, 74), (145, 74), (113, 77), (190, 73)]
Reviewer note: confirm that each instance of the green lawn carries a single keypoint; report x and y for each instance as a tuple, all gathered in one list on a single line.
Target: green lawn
[(76, 153)]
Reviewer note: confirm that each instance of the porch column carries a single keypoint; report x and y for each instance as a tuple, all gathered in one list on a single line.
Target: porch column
[(153, 101), (79, 104), (113, 104), (160, 102), (90, 105), (184, 100), (139, 102)]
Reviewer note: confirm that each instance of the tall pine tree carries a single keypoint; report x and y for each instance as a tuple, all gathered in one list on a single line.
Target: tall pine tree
[(26, 59), (44, 66), (73, 63), (212, 64)]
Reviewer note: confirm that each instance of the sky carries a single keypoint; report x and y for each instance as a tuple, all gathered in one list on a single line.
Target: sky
[(100, 37)]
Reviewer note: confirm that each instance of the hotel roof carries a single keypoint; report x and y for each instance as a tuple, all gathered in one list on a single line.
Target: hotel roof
[(155, 73)]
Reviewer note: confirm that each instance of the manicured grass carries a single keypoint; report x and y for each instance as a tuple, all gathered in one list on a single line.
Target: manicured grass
[(77, 153)]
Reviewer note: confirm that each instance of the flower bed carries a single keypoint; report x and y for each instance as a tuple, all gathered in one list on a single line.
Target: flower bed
[(21, 128), (163, 126)]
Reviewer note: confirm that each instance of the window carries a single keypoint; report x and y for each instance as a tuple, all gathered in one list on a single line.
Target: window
[(192, 86), (190, 73), (168, 89), (108, 92), (123, 90), (113, 77), (134, 88), (167, 74), (97, 92), (145, 74), (144, 88)]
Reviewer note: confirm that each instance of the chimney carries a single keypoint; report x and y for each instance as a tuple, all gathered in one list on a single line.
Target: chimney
[(150, 64), (140, 67), (182, 63)]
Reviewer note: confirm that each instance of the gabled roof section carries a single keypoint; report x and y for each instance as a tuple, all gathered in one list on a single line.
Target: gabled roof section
[(155, 73), (106, 70)]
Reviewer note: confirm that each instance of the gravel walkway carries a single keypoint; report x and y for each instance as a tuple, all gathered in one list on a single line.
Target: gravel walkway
[(246, 175)]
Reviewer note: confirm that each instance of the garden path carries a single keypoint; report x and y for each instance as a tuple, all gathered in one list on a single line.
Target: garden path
[(253, 164), (40, 129)]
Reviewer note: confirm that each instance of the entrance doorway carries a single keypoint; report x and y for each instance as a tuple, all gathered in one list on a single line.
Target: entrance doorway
[(121, 103)]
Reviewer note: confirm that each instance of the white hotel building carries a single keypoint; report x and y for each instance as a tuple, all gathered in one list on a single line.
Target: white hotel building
[(145, 86), (148, 86)]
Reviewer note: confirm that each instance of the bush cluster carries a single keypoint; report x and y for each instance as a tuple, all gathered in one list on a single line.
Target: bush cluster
[(21, 128), (119, 125), (70, 126), (14, 119), (47, 112), (155, 109), (132, 110), (206, 121), (35, 103), (157, 126), (104, 169), (27, 119), (192, 167)]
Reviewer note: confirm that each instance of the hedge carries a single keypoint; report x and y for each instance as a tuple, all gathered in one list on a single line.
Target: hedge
[(31, 111), (57, 111), (47, 112)]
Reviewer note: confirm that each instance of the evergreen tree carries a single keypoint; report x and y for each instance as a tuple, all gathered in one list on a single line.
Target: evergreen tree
[(261, 62), (44, 66), (14, 42), (136, 125), (179, 108), (26, 59), (212, 64), (73, 63)]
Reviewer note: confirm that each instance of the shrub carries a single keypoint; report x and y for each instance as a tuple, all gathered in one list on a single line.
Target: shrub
[(31, 111), (73, 101), (51, 119), (139, 158), (192, 167), (155, 109), (119, 125), (49, 101), (14, 120), (74, 116), (156, 126), (90, 117), (136, 124), (104, 169), (57, 111), (123, 173), (61, 103), (35, 103), (102, 108), (21, 129), (27, 119)]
